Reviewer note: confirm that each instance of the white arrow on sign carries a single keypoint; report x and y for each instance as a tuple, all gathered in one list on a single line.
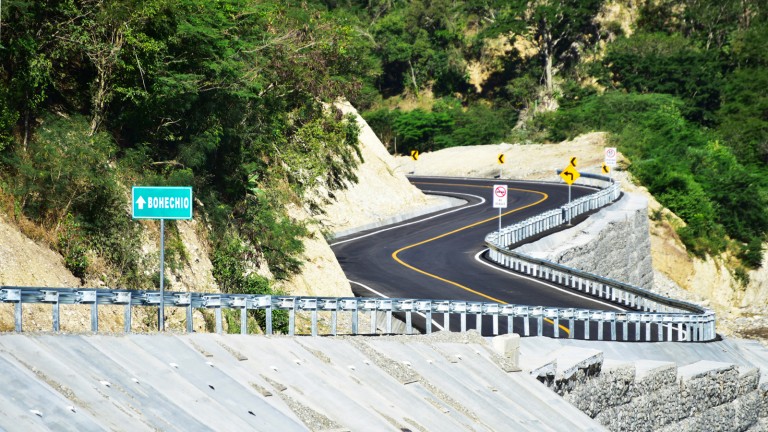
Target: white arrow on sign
[(140, 202)]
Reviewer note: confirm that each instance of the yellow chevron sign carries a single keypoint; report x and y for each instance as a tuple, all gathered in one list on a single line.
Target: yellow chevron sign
[(415, 154), (570, 175)]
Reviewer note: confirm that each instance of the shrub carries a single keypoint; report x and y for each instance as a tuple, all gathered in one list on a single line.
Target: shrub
[(684, 166)]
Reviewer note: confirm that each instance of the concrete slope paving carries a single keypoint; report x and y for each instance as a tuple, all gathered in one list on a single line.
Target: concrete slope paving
[(212, 382)]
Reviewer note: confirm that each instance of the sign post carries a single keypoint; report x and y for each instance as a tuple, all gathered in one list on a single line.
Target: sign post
[(414, 157), (500, 200), (159, 202), (570, 175), (610, 158)]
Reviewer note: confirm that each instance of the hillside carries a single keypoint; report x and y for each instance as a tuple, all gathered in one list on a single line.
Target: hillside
[(382, 195), (740, 306), (236, 99)]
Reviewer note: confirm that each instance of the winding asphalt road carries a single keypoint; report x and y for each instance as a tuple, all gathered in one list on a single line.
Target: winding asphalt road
[(438, 256)]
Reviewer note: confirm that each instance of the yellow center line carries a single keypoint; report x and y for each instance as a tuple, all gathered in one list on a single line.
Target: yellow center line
[(456, 284)]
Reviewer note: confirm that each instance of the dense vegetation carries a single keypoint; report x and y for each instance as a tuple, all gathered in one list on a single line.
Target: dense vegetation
[(234, 97), (681, 88), (229, 96)]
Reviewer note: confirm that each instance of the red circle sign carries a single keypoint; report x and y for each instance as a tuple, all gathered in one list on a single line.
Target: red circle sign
[(500, 192)]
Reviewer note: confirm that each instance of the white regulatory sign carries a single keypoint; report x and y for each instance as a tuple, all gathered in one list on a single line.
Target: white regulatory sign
[(610, 156), (500, 196)]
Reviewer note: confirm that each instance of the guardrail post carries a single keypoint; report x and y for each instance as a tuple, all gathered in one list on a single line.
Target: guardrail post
[(243, 321), (446, 308), (374, 317), (12, 295), (85, 297), (124, 297), (268, 317), (647, 320), (190, 319), (17, 316), (185, 300), (700, 326), (493, 309), (425, 306), (461, 308), (314, 321), (600, 325), (477, 308), (538, 311), (355, 317), (214, 301), (334, 318), (217, 316), (638, 325), (95, 317), (388, 305), (407, 306), (52, 297), (527, 324), (332, 305), (625, 329)]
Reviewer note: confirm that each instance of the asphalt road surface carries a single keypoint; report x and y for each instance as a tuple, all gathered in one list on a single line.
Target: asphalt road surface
[(439, 256)]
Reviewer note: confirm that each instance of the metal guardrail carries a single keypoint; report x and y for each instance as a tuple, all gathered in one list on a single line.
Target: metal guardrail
[(652, 318), (663, 311)]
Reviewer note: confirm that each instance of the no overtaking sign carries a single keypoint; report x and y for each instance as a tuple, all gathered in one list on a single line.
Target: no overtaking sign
[(500, 196)]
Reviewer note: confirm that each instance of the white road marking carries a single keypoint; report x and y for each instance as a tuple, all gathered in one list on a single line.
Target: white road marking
[(482, 261), (434, 323), (482, 201)]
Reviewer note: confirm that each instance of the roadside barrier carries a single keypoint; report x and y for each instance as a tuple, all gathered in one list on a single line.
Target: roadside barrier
[(673, 319), (649, 316)]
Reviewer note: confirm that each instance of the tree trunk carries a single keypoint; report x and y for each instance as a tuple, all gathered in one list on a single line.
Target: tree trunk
[(547, 36), (413, 77)]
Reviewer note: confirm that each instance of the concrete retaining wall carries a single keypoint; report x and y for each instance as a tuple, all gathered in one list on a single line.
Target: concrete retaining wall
[(615, 243)]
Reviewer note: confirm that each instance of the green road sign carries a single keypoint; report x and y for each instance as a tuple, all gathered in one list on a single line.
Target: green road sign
[(162, 202)]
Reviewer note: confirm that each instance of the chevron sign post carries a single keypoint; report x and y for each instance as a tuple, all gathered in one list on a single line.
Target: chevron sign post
[(570, 175)]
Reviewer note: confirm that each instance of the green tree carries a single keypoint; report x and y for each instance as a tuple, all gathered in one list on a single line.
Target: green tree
[(659, 63), (417, 129), (420, 45), (742, 116)]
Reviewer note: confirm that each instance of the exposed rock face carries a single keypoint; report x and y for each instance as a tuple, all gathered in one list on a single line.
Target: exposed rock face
[(26, 263), (382, 195), (614, 243)]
